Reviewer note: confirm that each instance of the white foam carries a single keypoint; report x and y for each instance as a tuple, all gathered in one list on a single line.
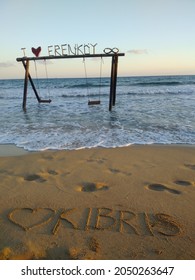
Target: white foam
[(150, 115)]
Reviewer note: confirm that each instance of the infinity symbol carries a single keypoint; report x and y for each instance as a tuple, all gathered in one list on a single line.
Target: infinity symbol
[(109, 51)]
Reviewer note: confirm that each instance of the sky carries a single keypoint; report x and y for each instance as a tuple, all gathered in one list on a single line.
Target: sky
[(157, 36)]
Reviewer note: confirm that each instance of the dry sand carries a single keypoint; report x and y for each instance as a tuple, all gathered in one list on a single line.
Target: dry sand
[(125, 203)]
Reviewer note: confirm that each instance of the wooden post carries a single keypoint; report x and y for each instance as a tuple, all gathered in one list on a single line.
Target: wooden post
[(25, 84), (111, 85), (34, 88), (32, 84), (113, 80)]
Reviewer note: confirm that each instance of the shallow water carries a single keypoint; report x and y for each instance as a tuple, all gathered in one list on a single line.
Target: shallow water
[(148, 110)]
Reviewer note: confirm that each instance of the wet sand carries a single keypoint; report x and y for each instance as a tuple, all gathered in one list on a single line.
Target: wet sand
[(135, 202)]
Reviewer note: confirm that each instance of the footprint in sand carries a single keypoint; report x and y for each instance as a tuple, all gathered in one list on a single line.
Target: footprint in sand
[(52, 172), (183, 183), (87, 252), (5, 172), (34, 177), (98, 160), (191, 166), (161, 188), (113, 170), (94, 245), (92, 187), (117, 171)]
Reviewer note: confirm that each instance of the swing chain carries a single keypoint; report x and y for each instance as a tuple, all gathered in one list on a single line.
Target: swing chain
[(100, 83), (95, 102), (86, 78), (39, 99), (37, 80), (46, 72)]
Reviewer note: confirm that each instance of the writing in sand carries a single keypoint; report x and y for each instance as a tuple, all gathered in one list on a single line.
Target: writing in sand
[(86, 219)]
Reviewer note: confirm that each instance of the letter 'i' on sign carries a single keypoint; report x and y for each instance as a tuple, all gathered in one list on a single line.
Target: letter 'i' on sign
[(23, 49)]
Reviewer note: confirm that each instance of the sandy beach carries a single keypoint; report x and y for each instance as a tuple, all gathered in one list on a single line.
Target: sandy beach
[(134, 202)]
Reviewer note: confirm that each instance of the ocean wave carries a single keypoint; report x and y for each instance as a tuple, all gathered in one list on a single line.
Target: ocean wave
[(167, 92), (80, 95), (142, 115), (160, 83), (79, 143), (121, 84), (82, 86)]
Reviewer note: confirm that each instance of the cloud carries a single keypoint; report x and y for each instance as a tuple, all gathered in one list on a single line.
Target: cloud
[(138, 51), (6, 64)]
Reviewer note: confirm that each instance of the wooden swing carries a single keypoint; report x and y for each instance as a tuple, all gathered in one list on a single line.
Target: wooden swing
[(98, 101), (113, 53), (37, 79)]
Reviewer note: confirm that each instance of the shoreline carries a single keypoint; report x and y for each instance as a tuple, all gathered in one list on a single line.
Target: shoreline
[(9, 150)]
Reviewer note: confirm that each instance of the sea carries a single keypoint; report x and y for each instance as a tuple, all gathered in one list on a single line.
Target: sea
[(148, 110)]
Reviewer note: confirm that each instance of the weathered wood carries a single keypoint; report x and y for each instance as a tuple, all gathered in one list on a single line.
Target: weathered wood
[(45, 101), (115, 79), (111, 85), (93, 102), (25, 84), (32, 84), (34, 88), (67, 56)]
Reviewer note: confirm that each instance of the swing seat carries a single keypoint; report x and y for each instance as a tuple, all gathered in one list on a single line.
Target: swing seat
[(94, 102), (45, 100)]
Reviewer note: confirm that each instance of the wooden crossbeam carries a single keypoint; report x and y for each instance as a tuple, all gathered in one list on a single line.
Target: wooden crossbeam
[(25, 58)]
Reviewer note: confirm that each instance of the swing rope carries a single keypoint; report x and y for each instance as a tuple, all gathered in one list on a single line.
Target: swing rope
[(47, 77), (100, 82), (93, 102), (86, 78), (37, 80)]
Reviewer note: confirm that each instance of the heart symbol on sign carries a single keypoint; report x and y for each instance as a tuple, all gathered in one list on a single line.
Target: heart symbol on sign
[(37, 51), (29, 218)]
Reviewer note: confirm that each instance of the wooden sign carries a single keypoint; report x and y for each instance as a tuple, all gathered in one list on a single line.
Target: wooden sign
[(70, 50), (65, 50)]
